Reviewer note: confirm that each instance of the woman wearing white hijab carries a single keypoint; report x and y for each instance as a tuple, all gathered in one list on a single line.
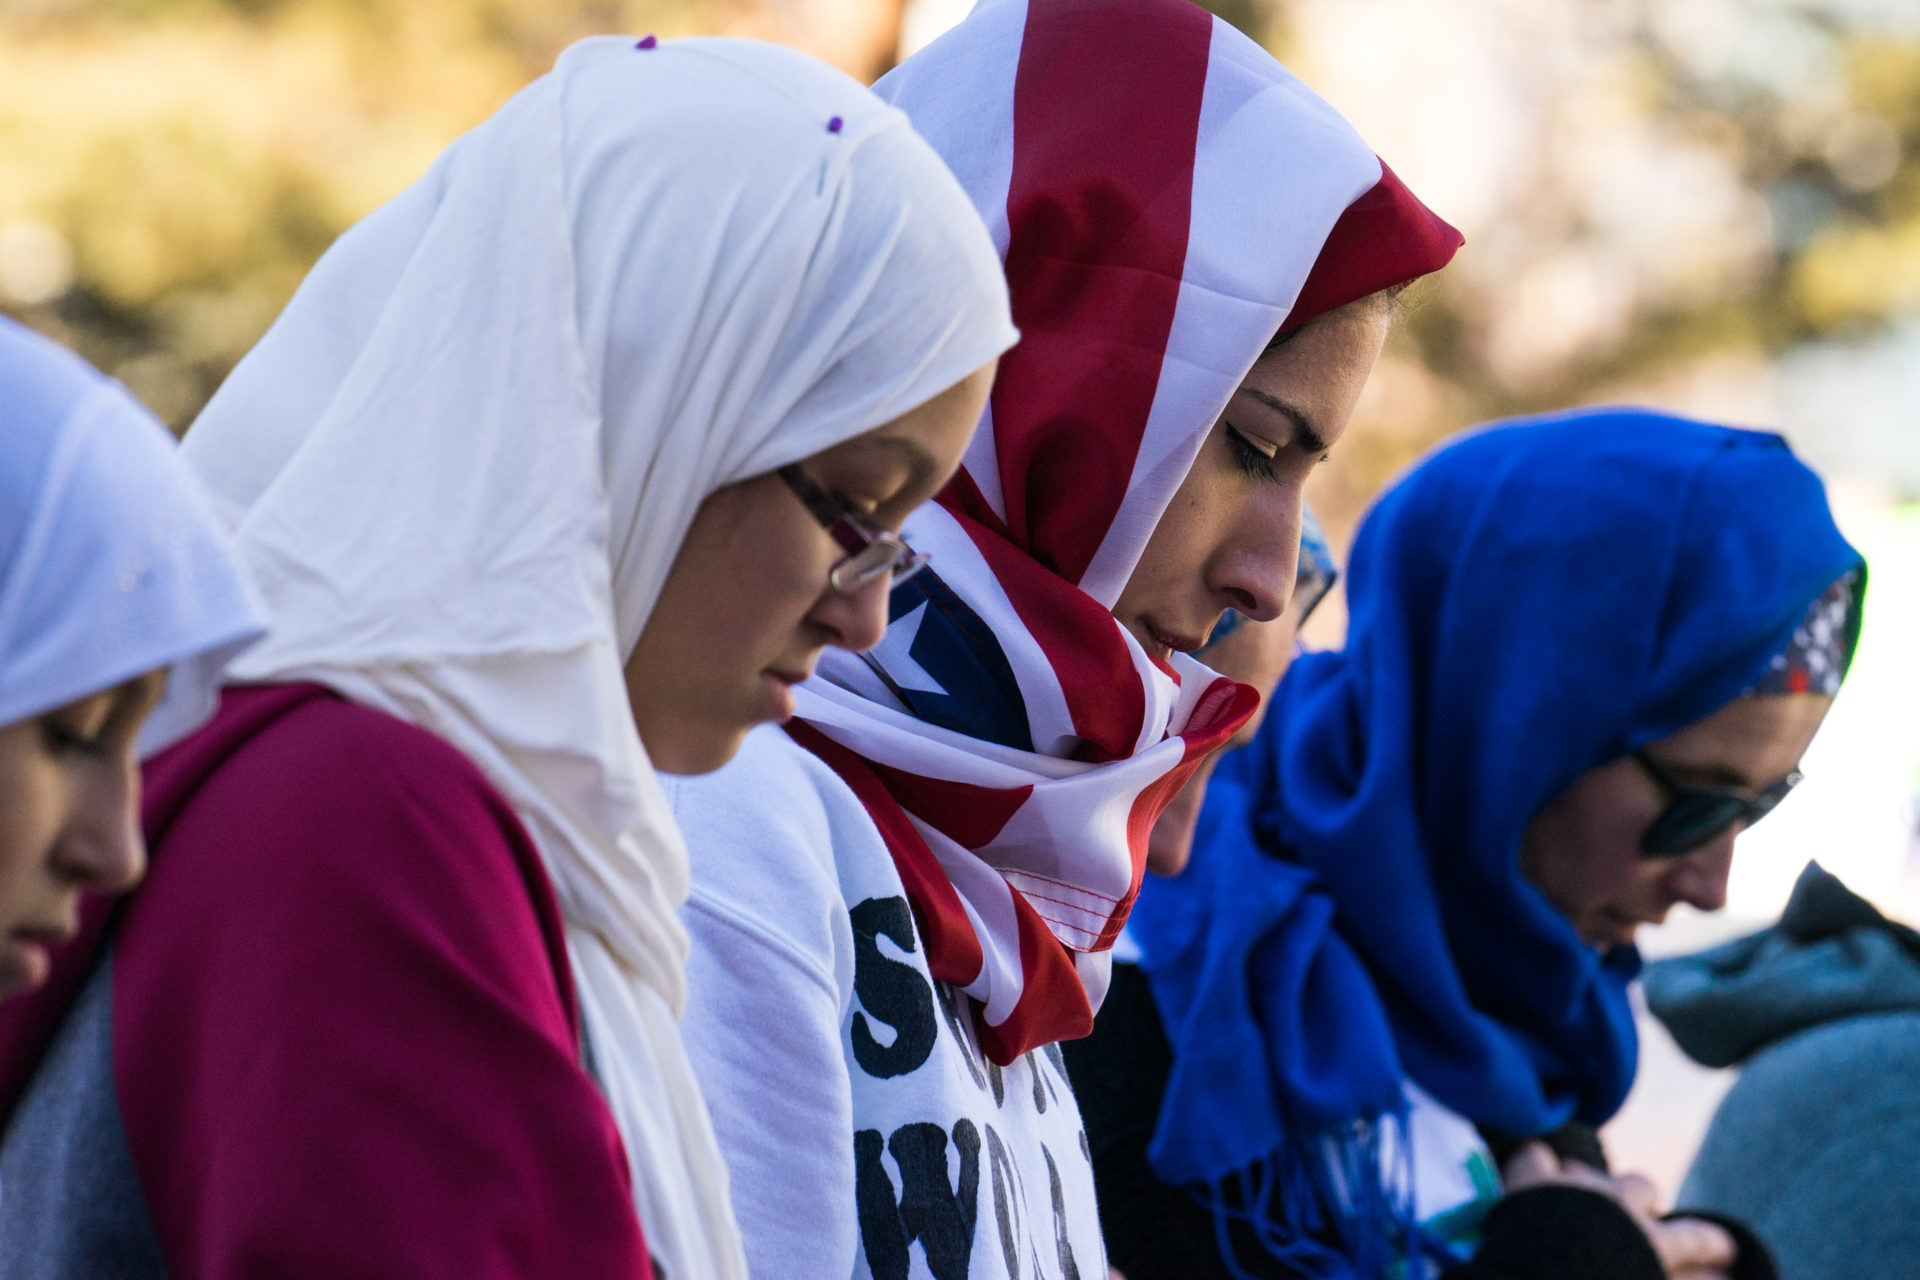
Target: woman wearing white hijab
[(598, 427), (117, 606)]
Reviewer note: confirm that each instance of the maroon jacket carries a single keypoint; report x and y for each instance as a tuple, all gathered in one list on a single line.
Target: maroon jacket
[(333, 1033)]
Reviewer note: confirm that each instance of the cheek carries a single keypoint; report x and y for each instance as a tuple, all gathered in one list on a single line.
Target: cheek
[(745, 577), (34, 798), (1188, 530), (784, 558), (735, 603), (1582, 851)]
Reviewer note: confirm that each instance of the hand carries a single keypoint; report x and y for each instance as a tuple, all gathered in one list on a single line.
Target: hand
[(1689, 1248)]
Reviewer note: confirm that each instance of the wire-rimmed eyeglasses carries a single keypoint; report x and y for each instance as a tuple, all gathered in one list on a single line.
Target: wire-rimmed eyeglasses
[(871, 552)]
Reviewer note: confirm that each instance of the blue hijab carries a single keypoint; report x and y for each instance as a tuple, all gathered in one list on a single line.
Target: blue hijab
[(1533, 600)]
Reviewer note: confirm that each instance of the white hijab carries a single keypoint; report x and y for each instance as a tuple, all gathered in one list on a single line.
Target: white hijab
[(461, 463), (111, 563)]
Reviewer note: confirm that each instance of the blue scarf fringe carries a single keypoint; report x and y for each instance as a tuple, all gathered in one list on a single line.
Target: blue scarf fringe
[(1336, 1206)]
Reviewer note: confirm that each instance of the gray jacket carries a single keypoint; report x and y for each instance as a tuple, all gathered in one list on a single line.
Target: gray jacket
[(1817, 1146)]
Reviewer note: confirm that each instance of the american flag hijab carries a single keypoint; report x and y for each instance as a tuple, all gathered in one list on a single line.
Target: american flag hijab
[(1166, 198)]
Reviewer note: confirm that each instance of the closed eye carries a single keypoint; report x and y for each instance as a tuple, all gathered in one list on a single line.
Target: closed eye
[(1255, 457), (1305, 435), (59, 740), (861, 511)]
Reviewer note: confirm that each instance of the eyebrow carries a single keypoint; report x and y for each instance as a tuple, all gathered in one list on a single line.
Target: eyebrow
[(1711, 774), (1305, 434)]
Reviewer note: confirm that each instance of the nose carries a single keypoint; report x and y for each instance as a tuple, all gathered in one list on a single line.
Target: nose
[(855, 620), (102, 848), (1699, 878), (1256, 565)]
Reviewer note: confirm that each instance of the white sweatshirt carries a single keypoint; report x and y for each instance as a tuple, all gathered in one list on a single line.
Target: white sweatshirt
[(864, 1131)]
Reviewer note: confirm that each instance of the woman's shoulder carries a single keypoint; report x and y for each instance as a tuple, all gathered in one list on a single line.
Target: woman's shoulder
[(778, 809), (363, 944), (325, 744), (781, 852), (298, 763), (294, 796), (769, 764)]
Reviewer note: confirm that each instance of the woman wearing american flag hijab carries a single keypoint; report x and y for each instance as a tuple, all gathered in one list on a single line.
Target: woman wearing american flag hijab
[(905, 899)]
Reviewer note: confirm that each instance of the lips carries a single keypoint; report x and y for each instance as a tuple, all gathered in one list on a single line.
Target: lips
[(778, 685), (49, 935), (26, 956), (1617, 928), (1166, 643)]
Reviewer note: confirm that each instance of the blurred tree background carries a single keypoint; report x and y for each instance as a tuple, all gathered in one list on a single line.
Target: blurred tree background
[(169, 169), (1709, 205), (1661, 197)]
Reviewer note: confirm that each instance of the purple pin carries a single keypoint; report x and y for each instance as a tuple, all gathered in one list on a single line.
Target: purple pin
[(833, 125), (645, 42)]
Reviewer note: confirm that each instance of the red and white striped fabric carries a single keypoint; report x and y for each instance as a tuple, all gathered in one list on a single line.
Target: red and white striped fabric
[(1166, 198)]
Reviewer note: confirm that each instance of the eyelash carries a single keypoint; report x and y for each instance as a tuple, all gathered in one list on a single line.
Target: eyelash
[(867, 513), (62, 741), (1250, 459)]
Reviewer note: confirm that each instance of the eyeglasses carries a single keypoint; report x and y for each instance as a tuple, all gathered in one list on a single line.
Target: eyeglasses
[(871, 553), (1699, 813), (1312, 582), (1318, 569), (1309, 590)]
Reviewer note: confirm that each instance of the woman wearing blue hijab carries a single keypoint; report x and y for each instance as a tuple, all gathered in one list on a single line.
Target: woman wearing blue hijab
[(118, 606), (1584, 652)]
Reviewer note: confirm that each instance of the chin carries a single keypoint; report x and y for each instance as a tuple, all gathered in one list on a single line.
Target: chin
[(698, 751), (16, 979), (1605, 934), (1170, 844)]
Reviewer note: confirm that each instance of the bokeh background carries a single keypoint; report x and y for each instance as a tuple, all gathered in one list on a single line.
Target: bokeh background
[(1708, 205)]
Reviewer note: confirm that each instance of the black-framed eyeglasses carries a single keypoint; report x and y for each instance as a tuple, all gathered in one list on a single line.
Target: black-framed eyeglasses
[(1696, 813), (871, 553)]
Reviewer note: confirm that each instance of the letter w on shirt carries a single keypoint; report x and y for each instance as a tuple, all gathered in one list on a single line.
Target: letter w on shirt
[(929, 1208)]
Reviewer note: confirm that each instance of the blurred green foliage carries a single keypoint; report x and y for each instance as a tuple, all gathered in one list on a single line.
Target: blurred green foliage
[(1716, 183), (169, 169)]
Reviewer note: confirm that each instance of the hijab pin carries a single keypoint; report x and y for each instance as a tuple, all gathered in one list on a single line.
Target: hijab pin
[(833, 125), (645, 42)]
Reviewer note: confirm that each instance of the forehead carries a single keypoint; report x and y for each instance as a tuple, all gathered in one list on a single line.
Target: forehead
[(1326, 358), (1754, 737), (925, 439), (138, 692), (885, 444), (878, 457)]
